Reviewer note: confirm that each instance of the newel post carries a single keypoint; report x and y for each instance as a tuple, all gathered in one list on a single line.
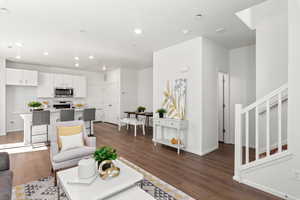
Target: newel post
[(238, 142)]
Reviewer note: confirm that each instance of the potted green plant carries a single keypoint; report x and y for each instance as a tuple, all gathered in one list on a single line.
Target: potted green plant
[(105, 153), (161, 112), (35, 105), (141, 109)]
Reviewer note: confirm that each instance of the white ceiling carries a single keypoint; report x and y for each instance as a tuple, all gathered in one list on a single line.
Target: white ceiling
[(54, 26)]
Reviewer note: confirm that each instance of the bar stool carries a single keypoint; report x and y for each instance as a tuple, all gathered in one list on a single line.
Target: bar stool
[(67, 115), (89, 115), (40, 118)]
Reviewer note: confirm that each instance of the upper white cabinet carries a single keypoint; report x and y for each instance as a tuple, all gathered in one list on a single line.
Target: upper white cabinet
[(68, 81), (63, 81), (48, 82), (21, 77), (79, 85), (46, 85)]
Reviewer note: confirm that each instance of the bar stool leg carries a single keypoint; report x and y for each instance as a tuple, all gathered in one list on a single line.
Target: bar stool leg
[(47, 134), (31, 134)]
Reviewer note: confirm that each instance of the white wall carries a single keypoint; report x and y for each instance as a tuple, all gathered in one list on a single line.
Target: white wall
[(17, 97), (167, 65), (2, 97), (280, 179), (271, 45), (242, 80), (203, 59), (145, 88), (214, 59)]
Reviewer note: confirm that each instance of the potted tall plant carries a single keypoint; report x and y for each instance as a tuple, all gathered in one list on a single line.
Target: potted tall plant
[(161, 112), (103, 154), (141, 109), (35, 105)]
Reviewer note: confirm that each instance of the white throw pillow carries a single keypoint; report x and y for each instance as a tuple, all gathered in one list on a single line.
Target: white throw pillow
[(71, 141)]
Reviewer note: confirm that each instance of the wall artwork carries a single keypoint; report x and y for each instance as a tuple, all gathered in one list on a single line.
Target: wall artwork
[(174, 99)]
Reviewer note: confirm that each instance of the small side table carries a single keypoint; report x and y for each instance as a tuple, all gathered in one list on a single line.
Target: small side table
[(166, 123)]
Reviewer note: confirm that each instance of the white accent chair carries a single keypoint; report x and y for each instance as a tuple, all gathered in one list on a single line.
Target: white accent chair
[(69, 158)]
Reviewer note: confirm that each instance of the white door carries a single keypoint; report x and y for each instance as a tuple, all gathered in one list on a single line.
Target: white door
[(223, 107), (111, 102), (45, 86), (14, 77)]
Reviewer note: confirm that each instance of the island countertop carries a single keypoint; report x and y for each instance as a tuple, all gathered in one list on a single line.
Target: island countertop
[(53, 110), (37, 130)]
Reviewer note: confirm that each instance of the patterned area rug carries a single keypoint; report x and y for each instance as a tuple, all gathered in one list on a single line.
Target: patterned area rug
[(43, 189)]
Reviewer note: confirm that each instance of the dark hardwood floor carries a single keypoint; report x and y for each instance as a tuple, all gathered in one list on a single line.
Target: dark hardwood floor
[(204, 178)]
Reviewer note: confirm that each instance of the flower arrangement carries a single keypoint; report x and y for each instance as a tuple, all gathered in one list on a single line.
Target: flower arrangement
[(161, 112), (141, 109)]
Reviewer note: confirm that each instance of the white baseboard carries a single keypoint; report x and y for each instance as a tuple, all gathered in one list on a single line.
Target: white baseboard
[(268, 190), (14, 130), (207, 151), (2, 134)]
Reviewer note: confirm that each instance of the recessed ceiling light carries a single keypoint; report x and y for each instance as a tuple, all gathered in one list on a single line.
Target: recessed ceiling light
[(4, 11), (76, 58), (104, 68), (46, 53), (19, 44), (18, 57), (220, 30), (76, 64), (185, 31), (138, 31), (91, 57)]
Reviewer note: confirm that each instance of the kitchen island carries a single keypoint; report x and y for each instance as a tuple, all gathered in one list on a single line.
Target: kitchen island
[(37, 131)]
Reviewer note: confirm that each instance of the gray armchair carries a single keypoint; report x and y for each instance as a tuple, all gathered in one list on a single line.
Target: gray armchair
[(69, 158), (5, 177)]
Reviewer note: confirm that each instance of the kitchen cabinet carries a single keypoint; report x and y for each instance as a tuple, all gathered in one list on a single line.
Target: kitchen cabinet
[(21, 77), (46, 85), (80, 86), (63, 81), (99, 115), (68, 81)]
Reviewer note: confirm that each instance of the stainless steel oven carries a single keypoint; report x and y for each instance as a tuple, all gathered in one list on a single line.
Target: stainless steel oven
[(64, 92), (62, 104)]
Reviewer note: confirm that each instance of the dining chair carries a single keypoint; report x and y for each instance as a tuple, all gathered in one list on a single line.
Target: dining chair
[(136, 122)]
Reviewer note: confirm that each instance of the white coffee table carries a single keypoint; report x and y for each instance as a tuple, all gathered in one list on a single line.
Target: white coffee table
[(122, 187)]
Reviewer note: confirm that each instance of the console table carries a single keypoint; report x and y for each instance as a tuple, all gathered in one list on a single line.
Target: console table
[(166, 123)]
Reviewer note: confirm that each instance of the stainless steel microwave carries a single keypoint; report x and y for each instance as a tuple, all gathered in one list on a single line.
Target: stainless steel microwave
[(64, 92)]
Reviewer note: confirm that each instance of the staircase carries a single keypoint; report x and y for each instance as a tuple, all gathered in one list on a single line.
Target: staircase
[(261, 132)]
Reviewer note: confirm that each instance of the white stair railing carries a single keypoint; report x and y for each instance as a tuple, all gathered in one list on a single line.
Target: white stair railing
[(261, 108)]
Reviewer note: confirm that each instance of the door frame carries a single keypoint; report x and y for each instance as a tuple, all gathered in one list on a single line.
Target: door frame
[(226, 114)]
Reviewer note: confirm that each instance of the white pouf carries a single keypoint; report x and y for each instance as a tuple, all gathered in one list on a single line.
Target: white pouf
[(86, 168)]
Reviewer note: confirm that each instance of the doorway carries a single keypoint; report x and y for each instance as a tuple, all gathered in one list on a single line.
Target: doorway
[(223, 108), (111, 102)]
